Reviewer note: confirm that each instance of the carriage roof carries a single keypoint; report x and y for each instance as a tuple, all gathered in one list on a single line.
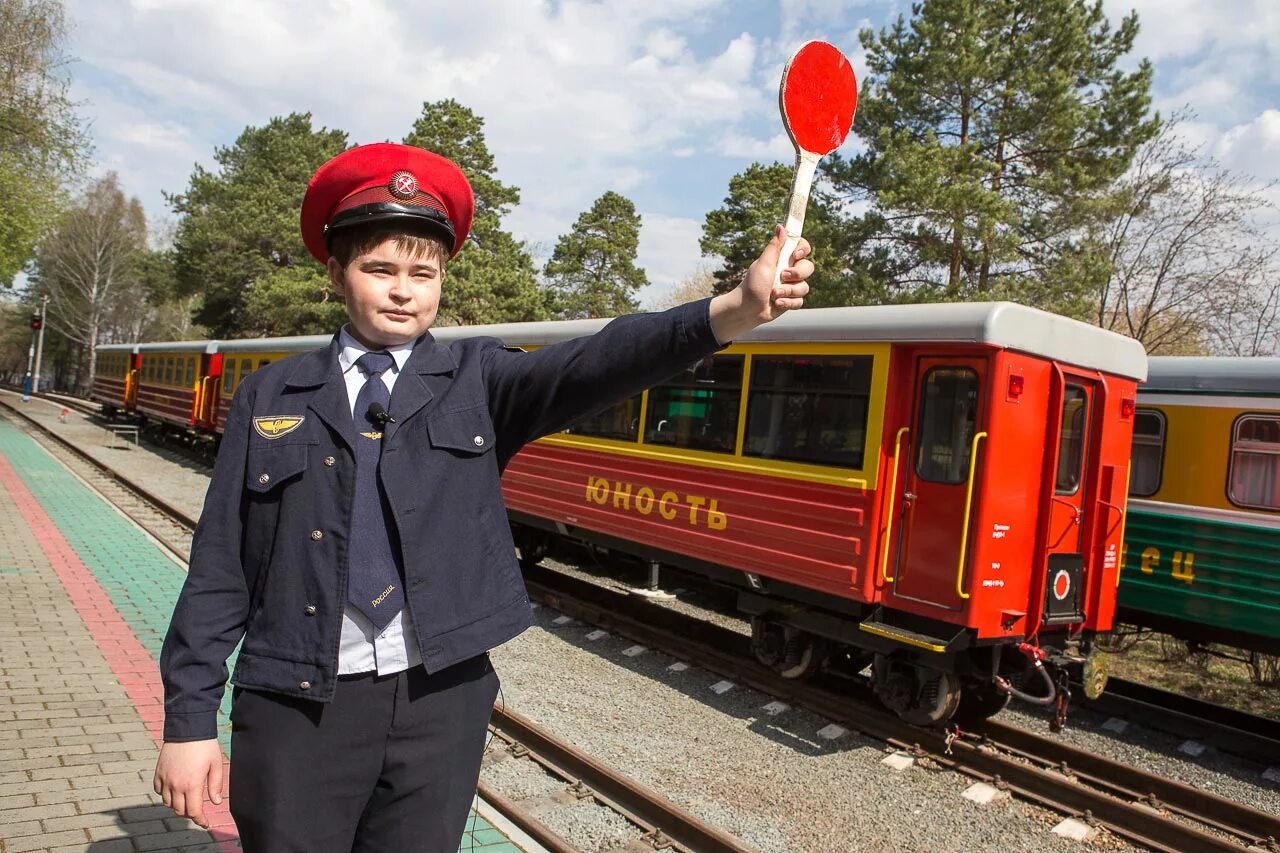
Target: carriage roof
[(177, 346), (1001, 324), (1260, 375)]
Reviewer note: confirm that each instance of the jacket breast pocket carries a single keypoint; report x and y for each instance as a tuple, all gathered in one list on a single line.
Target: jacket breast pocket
[(273, 465), (464, 432)]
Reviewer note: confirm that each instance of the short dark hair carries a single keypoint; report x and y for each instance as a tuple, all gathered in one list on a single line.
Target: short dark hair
[(420, 241)]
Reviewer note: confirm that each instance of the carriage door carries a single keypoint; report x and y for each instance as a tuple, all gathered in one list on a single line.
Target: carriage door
[(1070, 514), (944, 427)]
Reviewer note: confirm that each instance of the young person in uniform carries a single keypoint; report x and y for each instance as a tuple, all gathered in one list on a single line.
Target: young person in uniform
[(354, 534)]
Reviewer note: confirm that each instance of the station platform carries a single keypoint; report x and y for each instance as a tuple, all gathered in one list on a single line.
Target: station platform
[(85, 599)]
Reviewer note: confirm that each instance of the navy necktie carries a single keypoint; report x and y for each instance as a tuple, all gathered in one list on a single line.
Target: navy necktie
[(374, 586)]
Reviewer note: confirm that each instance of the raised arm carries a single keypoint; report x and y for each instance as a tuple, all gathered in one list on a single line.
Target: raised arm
[(533, 394)]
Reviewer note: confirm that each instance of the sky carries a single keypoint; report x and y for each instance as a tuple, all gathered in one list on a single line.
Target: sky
[(660, 100)]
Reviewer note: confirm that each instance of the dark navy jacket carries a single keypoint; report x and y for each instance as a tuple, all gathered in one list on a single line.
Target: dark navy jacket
[(269, 557)]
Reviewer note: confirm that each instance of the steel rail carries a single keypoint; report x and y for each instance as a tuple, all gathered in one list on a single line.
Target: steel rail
[(527, 823), (1107, 801), (664, 820), (1237, 732), (646, 807), (1122, 799)]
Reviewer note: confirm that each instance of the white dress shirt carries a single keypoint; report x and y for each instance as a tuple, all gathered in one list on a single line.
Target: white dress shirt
[(363, 649)]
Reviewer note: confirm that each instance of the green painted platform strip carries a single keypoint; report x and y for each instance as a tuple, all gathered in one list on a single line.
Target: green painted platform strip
[(141, 581)]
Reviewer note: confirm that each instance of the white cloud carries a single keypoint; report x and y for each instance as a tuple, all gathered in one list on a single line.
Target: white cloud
[(1253, 148), (1181, 28), (579, 96), (669, 252)]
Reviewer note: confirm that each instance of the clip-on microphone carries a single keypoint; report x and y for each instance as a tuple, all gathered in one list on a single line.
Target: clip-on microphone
[(379, 415)]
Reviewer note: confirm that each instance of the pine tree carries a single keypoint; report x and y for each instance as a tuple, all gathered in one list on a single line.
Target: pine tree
[(593, 272), (238, 240), (737, 232), (995, 131), (493, 279)]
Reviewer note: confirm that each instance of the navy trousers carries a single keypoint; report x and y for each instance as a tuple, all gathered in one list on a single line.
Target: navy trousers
[(390, 764)]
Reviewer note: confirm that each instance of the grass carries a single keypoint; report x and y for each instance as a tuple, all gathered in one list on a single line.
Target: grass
[(1165, 662)]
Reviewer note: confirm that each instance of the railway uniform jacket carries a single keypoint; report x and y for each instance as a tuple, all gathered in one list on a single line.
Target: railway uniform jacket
[(269, 557)]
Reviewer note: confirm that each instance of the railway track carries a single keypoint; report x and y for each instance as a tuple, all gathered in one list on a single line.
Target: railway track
[(1144, 808), (659, 823), (1236, 732), (1147, 809), (79, 404)]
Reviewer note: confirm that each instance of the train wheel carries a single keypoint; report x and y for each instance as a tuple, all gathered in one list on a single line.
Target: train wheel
[(918, 695), (979, 700), (788, 651), (532, 549)]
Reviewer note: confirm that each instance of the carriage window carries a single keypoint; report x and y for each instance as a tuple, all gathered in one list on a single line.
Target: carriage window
[(620, 421), (228, 378), (246, 367), (698, 409), (809, 409), (948, 416), (1254, 480), (1075, 408), (1148, 452), (191, 372), (168, 371)]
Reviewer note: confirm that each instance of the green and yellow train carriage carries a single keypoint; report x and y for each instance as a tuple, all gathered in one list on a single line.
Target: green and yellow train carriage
[(1202, 542)]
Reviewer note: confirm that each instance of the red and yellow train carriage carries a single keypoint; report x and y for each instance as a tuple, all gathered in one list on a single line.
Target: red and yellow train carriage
[(917, 487), (935, 490)]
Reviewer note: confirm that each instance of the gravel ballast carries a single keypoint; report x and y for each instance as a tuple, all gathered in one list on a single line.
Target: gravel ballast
[(769, 779)]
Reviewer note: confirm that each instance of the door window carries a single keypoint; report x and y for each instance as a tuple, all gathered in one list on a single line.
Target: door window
[(1071, 441), (948, 417), (1148, 452)]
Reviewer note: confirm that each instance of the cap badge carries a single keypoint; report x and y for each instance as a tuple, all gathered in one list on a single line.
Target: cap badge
[(403, 185)]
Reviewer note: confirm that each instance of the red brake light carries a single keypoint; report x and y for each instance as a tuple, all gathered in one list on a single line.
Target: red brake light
[(1127, 406), (1016, 382)]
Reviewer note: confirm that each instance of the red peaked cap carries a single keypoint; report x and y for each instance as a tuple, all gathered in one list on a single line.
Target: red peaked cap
[(387, 182)]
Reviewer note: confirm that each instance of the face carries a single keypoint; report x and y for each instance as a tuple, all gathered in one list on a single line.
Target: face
[(392, 297)]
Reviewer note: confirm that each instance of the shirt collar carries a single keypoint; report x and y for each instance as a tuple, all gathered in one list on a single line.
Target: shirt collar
[(353, 349)]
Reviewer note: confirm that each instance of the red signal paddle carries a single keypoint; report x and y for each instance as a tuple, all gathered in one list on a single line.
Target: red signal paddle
[(817, 97)]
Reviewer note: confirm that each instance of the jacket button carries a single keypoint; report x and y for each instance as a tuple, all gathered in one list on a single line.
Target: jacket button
[(317, 535), (304, 685), (264, 479), (329, 460), (479, 440), (311, 610)]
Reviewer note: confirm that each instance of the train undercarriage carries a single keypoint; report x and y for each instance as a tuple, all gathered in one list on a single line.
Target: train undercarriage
[(800, 634)]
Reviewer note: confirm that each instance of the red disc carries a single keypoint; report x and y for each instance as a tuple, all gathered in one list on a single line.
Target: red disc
[(819, 95), (1061, 584)]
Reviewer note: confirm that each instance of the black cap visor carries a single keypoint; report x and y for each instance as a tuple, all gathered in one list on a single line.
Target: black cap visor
[(378, 212)]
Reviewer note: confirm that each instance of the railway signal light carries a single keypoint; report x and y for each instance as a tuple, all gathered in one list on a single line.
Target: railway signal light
[(37, 320)]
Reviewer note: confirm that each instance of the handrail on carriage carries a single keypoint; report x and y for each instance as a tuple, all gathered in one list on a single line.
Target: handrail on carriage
[(968, 509), (893, 498)]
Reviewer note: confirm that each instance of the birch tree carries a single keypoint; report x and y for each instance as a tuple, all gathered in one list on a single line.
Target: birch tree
[(42, 142), (1193, 267), (89, 265)]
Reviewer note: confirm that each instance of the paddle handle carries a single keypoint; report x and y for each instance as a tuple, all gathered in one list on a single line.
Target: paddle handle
[(797, 204)]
